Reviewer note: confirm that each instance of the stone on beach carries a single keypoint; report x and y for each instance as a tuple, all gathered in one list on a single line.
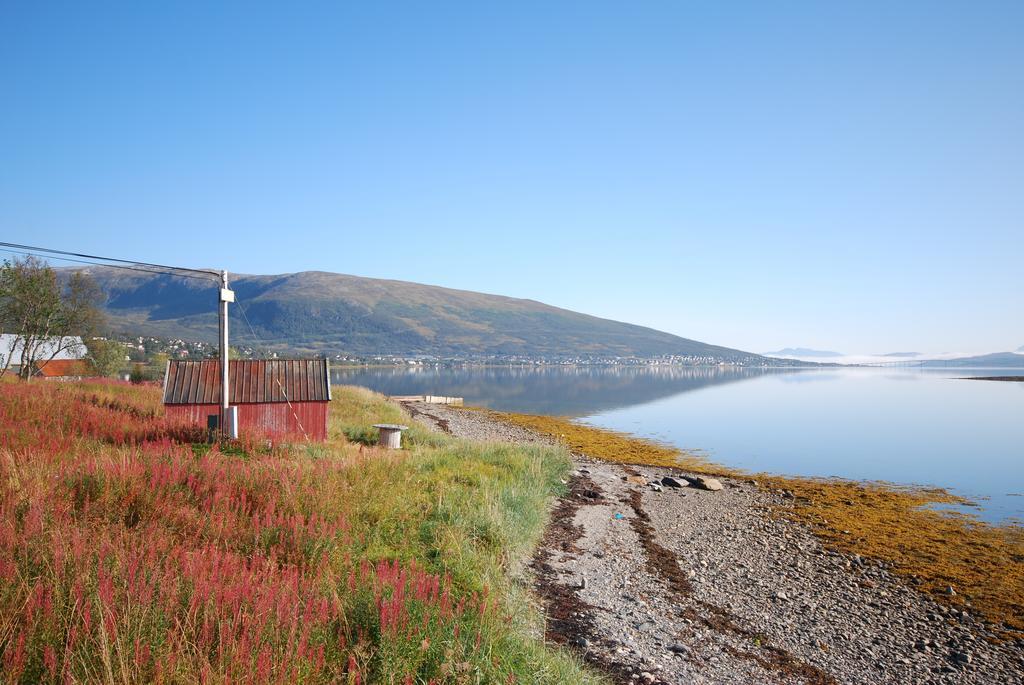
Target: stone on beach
[(703, 483)]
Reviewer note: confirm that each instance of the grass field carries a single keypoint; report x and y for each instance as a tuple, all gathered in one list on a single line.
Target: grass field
[(132, 552)]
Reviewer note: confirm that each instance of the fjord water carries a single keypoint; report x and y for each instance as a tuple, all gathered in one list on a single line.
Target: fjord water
[(902, 425)]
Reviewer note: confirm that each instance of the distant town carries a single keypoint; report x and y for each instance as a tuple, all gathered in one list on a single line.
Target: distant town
[(143, 349)]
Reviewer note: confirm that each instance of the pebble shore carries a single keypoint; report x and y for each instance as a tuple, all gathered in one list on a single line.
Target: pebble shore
[(653, 578)]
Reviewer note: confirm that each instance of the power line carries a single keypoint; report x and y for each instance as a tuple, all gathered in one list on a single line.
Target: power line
[(110, 266), (226, 296), (251, 329), (132, 265)]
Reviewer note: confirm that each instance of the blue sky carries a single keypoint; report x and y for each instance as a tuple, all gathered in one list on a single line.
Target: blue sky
[(836, 175)]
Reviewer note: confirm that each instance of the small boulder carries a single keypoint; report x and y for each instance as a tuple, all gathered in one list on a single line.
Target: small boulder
[(704, 483), (673, 482), (638, 480)]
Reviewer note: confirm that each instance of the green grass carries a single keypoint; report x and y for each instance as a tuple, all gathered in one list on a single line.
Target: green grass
[(355, 410), (472, 510)]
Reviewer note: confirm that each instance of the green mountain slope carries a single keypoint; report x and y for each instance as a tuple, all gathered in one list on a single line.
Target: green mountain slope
[(330, 313)]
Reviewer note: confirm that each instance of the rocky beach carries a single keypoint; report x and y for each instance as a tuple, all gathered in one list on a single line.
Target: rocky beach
[(656, 575)]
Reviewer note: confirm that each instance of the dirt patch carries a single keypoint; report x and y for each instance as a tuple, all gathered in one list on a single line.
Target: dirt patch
[(442, 424), (569, 621), (660, 561)]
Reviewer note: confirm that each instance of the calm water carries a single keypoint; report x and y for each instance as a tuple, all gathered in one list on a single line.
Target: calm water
[(901, 425)]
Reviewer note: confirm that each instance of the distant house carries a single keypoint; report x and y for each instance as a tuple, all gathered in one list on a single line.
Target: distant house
[(53, 349), (63, 370), (274, 396)]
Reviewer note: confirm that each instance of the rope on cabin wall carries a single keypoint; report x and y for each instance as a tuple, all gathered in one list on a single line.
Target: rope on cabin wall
[(297, 419)]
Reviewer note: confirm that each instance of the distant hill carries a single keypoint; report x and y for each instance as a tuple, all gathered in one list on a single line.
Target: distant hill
[(903, 355), (802, 352), (999, 359), (1021, 348), (319, 312)]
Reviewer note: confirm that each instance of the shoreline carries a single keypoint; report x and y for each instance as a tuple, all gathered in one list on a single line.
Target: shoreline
[(1012, 379), (934, 549), (749, 583)]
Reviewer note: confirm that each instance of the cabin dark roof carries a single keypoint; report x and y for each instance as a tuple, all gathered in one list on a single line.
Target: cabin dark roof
[(251, 381)]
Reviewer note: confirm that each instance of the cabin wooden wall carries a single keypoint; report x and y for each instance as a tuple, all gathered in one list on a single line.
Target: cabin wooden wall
[(274, 418)]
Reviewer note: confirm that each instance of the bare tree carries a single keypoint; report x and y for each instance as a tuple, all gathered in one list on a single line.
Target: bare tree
[(44, 317)]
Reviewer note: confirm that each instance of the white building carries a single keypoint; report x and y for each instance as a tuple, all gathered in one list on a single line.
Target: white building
[(11, 345)]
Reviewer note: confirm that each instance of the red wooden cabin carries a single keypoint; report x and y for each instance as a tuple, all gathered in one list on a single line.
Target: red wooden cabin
[(274, 396)]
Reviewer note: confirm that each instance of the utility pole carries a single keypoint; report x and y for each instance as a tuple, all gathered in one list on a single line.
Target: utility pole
[(228, 414)]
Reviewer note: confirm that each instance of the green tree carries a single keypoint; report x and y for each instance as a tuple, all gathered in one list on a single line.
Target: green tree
[(158, 365), (44, 315), (107, 356), (233, 353), (138, 374)]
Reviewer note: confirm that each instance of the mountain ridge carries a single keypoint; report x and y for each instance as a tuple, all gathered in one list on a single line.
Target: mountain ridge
[(326, 313), (1012, 360)]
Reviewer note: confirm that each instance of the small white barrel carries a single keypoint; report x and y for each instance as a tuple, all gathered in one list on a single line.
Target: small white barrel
[(390, 435)]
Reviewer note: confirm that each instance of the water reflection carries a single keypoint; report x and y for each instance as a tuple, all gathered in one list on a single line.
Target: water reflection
[(923, 426), (553, 390)]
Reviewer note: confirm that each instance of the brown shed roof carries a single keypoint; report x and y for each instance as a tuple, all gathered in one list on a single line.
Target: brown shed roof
[(251, 381), (58, 368)]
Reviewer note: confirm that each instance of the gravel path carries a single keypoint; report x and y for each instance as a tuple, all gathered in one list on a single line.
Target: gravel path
[(658, 584)]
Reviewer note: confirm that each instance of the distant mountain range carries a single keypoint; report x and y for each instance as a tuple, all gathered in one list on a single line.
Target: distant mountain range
[(802, 352), (998, 359), (327, 313)]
